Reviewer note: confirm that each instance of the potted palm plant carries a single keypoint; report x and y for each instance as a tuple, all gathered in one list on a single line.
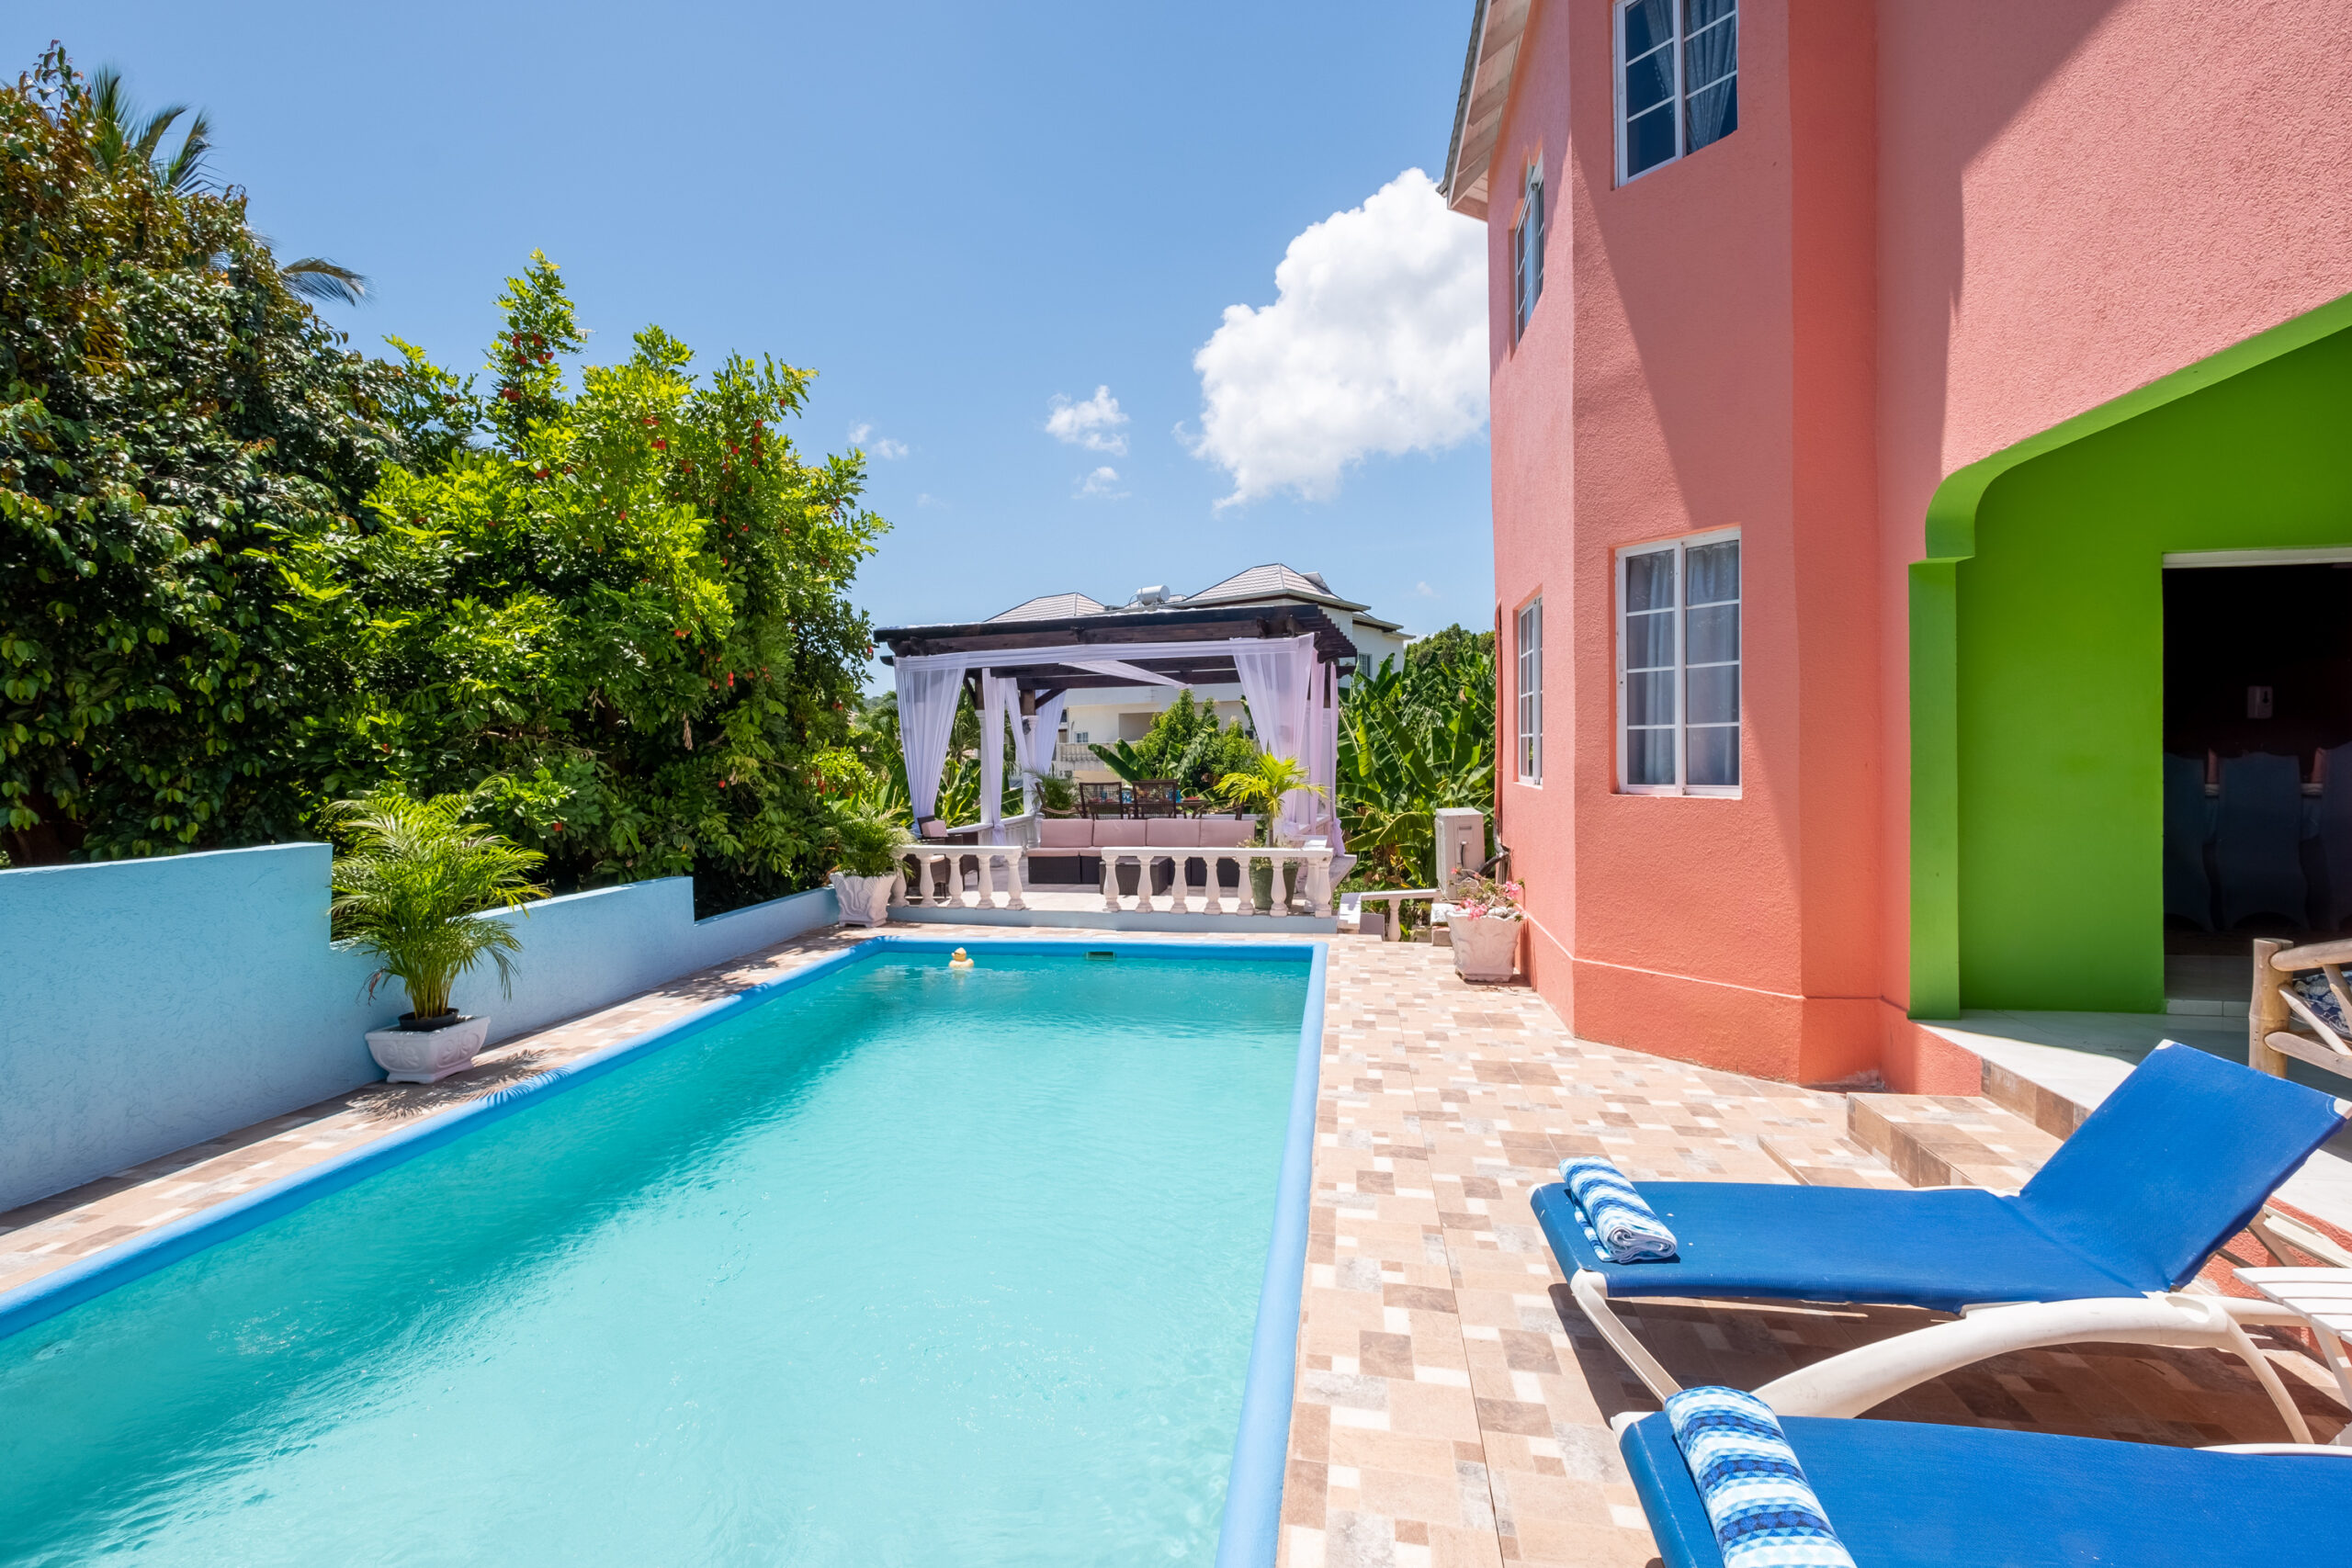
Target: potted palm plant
[(407, 890), (1260, 789), (1057, 796), (866, 870), (1485, 921)]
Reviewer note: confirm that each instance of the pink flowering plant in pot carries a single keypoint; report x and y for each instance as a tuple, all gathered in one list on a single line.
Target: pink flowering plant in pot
[(1485, 921)]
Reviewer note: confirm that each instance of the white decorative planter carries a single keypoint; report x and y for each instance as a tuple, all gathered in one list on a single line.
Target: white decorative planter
[(427, 1055), (866, 900), (1486, 948)]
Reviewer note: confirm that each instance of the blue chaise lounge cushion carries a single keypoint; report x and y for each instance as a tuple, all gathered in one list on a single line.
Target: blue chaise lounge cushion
[(1907, 1495)]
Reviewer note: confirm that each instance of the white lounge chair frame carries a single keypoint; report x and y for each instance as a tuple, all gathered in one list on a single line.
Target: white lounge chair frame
[(1850, 1383)]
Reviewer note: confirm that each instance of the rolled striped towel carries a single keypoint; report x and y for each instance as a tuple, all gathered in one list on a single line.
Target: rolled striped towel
[(1764, 1510), (1617, 1218)]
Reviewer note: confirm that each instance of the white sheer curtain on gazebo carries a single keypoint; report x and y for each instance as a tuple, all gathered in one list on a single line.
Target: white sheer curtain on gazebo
[(927, 694), (1277, 682), (1323, 754), (996, 694)]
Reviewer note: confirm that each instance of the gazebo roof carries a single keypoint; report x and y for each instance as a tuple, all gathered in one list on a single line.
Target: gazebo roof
[(1102, 635)]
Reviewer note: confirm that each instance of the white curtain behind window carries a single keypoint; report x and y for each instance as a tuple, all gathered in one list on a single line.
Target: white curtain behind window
[(927, 692)]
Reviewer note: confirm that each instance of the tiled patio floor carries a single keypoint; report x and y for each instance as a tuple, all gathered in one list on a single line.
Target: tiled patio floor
[(1451, 1407)]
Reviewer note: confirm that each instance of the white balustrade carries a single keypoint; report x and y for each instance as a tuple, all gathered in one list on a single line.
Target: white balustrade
[(1310, 869), (938, 879)]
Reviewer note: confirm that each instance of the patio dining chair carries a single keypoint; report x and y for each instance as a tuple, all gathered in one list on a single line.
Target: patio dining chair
[(1912, 1494), (2176, 1159), (1103, 800), (1157, 798), (2257, 856), (2188, 892), (2335, 833)]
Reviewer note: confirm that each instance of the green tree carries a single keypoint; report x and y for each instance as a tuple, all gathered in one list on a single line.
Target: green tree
[(172, 414), (1184, 743), (622, 621)]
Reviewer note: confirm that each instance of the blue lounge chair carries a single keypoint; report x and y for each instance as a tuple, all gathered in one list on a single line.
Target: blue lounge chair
[(2173, 1164), (1901, 1495)]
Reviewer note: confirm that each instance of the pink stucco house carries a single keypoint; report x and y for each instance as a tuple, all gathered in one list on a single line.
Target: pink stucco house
[(1872, 379)]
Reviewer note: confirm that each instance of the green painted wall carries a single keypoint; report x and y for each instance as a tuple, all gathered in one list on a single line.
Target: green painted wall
[(2056, 629)]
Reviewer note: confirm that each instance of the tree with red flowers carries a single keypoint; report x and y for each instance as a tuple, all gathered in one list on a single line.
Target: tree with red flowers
[(622, 617)]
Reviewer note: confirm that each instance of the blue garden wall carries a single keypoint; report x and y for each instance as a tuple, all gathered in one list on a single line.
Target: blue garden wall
[(146, 1005)]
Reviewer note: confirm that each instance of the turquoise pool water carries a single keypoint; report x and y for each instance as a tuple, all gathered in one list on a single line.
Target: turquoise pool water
[(899, 1268)]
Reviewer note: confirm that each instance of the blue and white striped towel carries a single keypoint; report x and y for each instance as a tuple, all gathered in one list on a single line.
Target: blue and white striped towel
[(1764, 1510), (1616, 1216)]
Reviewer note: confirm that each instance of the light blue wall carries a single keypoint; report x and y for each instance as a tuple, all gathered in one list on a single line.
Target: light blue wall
[(147, 1005)]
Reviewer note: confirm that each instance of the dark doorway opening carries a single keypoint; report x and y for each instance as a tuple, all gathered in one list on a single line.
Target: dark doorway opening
[(2257, 768)]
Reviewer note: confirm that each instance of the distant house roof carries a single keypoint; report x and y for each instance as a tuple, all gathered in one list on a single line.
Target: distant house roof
[(1276, 580), (1049, 607), (1271, 583)]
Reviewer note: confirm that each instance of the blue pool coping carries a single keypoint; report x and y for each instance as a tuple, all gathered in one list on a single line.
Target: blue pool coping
[(1253, 1498)]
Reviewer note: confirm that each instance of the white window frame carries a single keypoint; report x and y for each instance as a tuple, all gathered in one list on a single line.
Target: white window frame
[(1526, 262), (1679, 547), (1682, 89), (1527, 693)]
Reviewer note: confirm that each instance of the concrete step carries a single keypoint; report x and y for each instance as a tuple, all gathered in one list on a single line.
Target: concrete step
[(1824, 1161), (1948, 1140)]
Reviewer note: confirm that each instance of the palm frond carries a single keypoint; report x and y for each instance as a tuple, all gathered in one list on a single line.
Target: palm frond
[(316, 277), (186, 171)]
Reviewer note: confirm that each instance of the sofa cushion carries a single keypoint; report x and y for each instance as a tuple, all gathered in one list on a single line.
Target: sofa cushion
[(1065, 833), (1119, 831), (1173, 832), (1225, 832)]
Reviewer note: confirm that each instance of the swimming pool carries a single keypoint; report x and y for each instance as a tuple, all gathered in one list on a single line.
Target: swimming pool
[(899, 1266)]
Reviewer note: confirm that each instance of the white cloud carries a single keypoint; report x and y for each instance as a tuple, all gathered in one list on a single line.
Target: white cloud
[(1425, 590), (1093, 425), (1376, 343), (884, 447), (1101, 485)]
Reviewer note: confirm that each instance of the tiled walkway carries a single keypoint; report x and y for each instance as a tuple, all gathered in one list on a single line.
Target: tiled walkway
[(1452, 1406)]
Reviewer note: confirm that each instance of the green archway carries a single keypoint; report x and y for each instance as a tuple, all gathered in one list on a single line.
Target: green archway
[(2037, 636)]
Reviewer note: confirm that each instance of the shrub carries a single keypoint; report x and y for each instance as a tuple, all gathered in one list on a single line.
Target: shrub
[(866, 838), (416, 873)]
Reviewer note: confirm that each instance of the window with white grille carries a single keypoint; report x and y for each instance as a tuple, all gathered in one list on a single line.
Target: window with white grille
[(1677, 80), (1530, 693), (1527, 252), (1678, 667)]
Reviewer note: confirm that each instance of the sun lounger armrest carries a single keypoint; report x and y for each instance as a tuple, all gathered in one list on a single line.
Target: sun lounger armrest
[(1678, 1517)]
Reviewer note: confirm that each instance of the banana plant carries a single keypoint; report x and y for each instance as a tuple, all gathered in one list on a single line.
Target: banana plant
[(1413, 740)]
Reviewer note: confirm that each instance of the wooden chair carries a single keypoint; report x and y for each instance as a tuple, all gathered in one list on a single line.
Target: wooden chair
[(1096, 800), (2294, 1017), (1158, 797)]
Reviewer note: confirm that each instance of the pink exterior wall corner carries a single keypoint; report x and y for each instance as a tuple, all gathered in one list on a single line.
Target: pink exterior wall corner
[(1938, 230)]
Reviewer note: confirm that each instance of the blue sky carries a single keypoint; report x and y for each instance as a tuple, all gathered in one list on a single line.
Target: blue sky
[(958, 214)]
